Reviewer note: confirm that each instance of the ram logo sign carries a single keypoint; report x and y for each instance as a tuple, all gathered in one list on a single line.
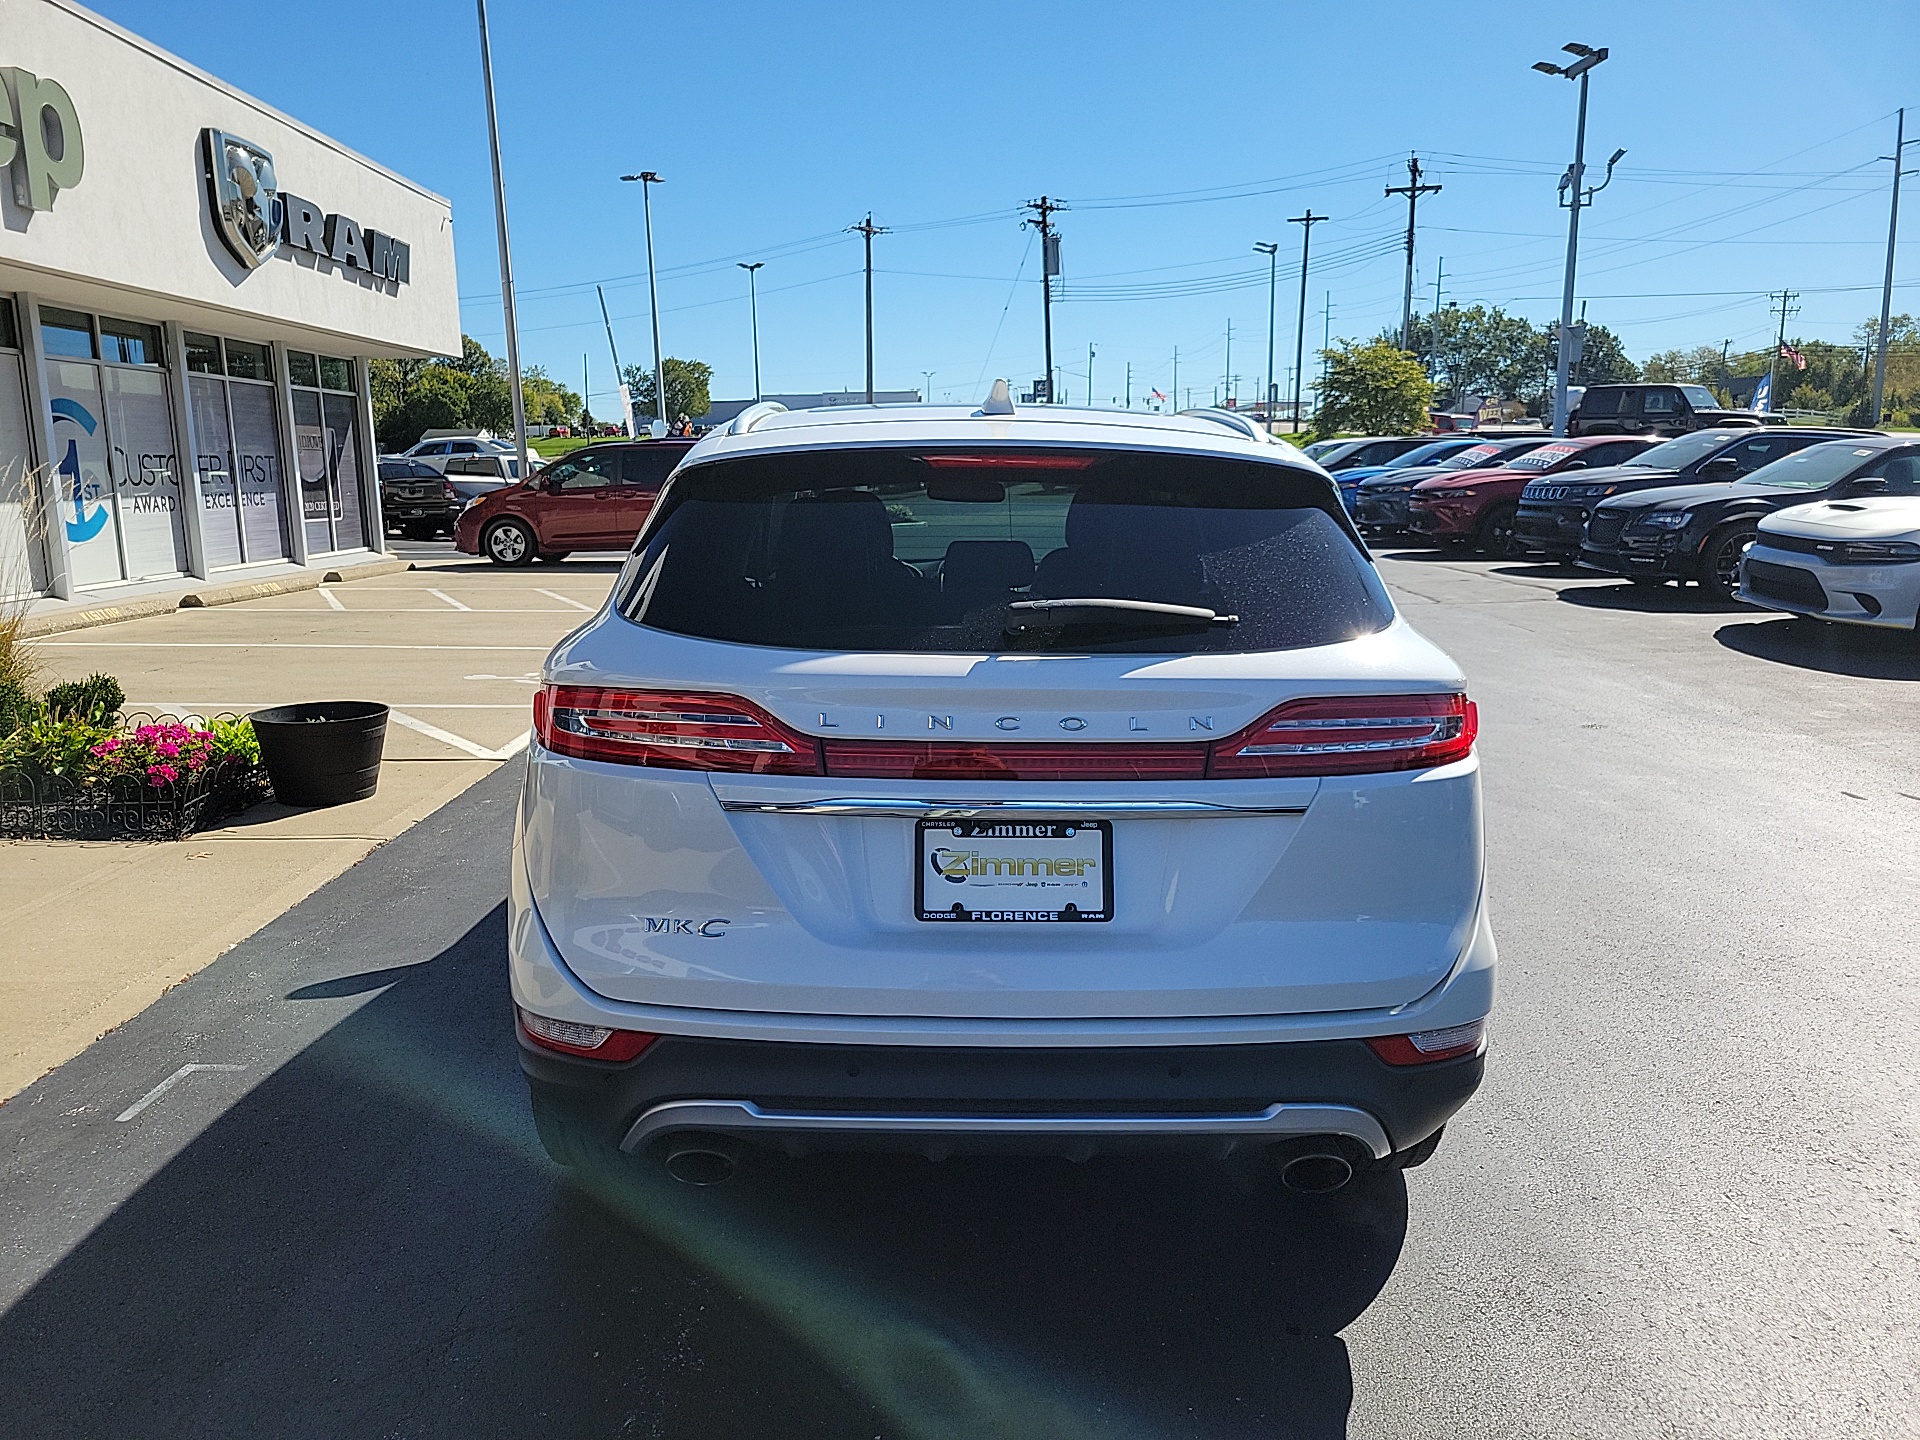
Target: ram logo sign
[(245, 196), (39, 138), (255, 217)]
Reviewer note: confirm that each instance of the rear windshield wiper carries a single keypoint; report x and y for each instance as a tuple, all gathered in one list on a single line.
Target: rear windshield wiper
[(1024, 615)]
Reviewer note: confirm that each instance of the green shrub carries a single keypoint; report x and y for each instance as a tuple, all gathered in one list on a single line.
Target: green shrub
[(236, 737), (17, 705), (96, 698), (54, 745)]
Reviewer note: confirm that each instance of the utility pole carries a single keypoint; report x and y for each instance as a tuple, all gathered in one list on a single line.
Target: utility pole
[(1574, 195), (867, 229), (1271, 251), (753, 305), (1413, 190), (1042, 220), (1900, 143), (1433, 324), (1129, 384), (506, 250), (586, 384), (1089, 374), (1227, 379), (619, 375), (1786, 299), (1726, 375), (1173, 394), (1306, 223)]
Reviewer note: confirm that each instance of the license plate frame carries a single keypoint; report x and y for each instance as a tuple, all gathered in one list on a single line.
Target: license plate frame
[(1035, 848)]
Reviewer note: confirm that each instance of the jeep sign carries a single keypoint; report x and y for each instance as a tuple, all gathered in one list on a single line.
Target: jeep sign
[(39, 138)]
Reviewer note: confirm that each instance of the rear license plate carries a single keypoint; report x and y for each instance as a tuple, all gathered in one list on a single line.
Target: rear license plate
[(1033, 871)]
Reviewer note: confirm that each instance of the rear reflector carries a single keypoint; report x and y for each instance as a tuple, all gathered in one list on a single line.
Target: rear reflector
[(596, 1042), (1350, 735), (673, 730), (1426, 1047)]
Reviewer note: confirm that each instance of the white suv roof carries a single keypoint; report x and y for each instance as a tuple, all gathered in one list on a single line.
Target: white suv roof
[(1212, 432)]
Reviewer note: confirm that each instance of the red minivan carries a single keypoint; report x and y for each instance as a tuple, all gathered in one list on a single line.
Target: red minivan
[(593, 498), (1480, 505)]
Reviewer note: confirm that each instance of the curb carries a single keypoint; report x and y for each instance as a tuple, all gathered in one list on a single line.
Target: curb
[(36, 625)]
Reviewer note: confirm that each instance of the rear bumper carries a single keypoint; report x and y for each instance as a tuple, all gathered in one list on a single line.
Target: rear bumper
[(940, 1098)]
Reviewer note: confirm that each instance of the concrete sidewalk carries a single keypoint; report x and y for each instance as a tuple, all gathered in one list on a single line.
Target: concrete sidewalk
[(96, 931), (50, 615)]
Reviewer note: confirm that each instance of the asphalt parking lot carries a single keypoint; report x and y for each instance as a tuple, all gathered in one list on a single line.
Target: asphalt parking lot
[(1683, 1204)]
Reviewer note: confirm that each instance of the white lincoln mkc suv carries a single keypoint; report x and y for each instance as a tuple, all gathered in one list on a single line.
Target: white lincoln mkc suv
[(938, 778)]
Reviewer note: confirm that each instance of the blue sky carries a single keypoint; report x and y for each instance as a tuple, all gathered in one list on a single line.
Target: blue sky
[(1179, 136)]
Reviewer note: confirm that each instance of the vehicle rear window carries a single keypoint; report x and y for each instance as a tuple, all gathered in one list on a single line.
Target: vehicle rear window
[(894, 550)]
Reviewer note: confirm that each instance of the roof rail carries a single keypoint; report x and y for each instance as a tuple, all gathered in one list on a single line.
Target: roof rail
[(754, 414), (1233, 420)]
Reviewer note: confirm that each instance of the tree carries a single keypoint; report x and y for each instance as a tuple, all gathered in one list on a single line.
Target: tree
[(1482, 351), (1603, 360), (547, 401), (1372, 389), (469, 392), (687, 388)]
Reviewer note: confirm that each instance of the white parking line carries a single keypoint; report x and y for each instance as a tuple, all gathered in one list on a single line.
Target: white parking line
[(331, 598), (563, 599), (442, 595), (460, 742), (165, 1085)]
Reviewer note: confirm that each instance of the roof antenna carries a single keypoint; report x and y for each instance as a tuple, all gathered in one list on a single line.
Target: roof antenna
[(999, 400)]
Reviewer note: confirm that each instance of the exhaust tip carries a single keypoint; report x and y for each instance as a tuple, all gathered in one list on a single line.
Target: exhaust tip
[(696, 1159), (1318, 1174)]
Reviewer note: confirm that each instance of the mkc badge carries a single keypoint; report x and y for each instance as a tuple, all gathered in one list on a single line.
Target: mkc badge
[(246, 197)]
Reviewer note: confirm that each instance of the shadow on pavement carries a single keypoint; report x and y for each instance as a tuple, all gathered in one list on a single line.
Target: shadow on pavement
[(370, 1243), (1856, 650), (570, 566), (1652, 599)]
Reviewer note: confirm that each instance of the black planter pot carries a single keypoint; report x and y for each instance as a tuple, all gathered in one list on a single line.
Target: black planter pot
[(323, 753)]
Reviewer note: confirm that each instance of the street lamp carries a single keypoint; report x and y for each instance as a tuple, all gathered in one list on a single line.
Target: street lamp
[(753, 304), (1573, 195), (648, 179), (1270, 249), (506, 250), (927, 397)]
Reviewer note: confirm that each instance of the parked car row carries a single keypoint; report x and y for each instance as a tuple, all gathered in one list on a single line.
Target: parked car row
[(1813, 520)]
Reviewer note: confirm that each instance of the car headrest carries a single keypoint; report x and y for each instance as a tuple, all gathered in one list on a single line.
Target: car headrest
[(837, 530), (977, 565)]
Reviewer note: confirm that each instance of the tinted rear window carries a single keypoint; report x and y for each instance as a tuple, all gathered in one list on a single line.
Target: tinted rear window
[(889, 550)]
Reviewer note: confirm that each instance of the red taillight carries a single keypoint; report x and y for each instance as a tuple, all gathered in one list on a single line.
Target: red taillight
[(1428, 1047), (1010, 462), (1350, 735), (672, 730), (595, 1042), (912, 760)]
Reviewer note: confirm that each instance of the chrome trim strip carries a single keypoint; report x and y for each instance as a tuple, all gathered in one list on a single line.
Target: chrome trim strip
[(1276, 1121), (975, 809)]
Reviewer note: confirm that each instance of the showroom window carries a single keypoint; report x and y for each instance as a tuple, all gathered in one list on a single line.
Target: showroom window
[(22, 542), (120, 497), (235, 425), (326, 425)]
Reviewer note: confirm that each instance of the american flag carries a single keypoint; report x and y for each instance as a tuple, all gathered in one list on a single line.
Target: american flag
[(1787, 352)]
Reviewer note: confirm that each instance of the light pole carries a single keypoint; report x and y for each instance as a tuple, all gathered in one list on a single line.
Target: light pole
[(753, 304), (506, 250), (648, 179), (1272, 251), (1900, 143), (1573, 195), (927, 394)]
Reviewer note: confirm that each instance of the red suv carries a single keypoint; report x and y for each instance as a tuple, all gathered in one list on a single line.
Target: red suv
[(1480, 505), (593, 498)]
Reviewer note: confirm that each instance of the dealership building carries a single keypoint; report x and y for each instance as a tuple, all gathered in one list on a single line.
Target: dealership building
[(191, 287)]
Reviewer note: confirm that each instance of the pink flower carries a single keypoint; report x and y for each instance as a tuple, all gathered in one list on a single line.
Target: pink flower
[(158, 775)]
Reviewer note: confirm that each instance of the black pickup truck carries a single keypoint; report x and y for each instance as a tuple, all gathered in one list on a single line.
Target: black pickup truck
[(1653, 410)]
